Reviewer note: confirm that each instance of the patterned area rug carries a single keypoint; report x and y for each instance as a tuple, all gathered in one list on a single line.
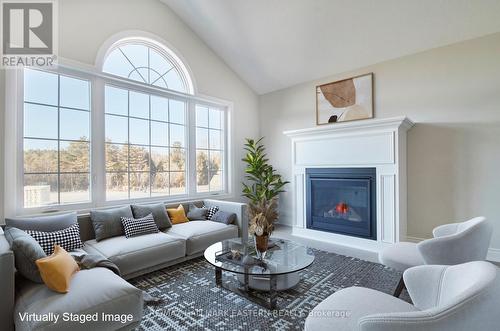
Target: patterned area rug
[(192, 301)]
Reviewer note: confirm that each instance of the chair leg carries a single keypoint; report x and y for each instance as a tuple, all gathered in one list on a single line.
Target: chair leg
[(399, 289)]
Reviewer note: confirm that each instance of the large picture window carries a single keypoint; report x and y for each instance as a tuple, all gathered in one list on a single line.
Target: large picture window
[(133, 130), (145, 145), (56, 142)]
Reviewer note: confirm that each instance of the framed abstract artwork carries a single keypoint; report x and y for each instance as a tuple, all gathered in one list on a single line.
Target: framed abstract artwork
[(345, 100)]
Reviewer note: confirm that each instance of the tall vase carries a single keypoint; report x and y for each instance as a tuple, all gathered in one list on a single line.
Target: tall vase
[(261, 244)]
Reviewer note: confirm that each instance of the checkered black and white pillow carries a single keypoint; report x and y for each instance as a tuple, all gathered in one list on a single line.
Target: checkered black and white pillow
[(138, 226), (68, 238), (211, 211)]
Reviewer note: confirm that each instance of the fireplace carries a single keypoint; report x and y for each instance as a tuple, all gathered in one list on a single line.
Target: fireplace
[(375, 144), (342, 200)]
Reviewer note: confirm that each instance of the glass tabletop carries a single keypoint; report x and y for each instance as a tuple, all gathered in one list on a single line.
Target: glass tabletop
[(282, 257)]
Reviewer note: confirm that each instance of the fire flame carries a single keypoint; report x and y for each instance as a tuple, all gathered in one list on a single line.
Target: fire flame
[(342, 208)]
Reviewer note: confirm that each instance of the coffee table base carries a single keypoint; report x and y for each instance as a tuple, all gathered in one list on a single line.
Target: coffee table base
[(244, 289), (261, 283)]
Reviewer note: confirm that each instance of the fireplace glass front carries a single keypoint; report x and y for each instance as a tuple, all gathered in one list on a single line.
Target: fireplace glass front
[(342, 200)]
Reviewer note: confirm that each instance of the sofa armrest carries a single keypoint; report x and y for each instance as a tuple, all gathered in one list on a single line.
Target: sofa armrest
[(240, 209), (7, 273)]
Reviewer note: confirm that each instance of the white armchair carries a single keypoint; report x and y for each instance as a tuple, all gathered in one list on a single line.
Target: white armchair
[(446, 298), (452, 244), (457, 242)]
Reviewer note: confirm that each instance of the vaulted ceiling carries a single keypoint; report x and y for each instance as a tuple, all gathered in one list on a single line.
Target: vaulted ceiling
[(274, 44)]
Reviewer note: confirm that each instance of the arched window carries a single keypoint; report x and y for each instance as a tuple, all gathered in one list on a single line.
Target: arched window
[(159, 140), (149, 63)]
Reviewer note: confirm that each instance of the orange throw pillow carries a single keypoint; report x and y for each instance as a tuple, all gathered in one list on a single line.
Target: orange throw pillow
[(57, 269), (177, 215)]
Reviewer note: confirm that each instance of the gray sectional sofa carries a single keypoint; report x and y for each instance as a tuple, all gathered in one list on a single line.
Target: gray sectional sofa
[(99, 290)]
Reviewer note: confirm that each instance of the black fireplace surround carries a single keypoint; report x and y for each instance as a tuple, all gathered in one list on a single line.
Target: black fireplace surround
[(342, 200)]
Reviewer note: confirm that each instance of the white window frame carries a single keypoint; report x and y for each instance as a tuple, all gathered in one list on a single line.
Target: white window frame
[(13, 186), (209, 150), (176, 62), (20, 138)]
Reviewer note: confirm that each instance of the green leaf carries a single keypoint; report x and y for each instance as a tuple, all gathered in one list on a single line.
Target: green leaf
[(264, 181)]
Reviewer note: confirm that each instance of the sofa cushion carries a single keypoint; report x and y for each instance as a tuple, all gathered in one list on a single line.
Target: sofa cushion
[(211, 211), (224, 217), (96, 290), (58, 269), (68, 238), (197, 214), (177, 215), (43, 223), (201, 234), (107, 223), (134, 227), (137, 253), (342, 310), (26, 251), (159, 214)]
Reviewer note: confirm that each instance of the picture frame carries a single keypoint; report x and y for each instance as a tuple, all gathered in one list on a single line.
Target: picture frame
[(345, 100)]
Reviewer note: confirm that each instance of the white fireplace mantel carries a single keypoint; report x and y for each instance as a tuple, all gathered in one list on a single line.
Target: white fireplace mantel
[(377, 143)]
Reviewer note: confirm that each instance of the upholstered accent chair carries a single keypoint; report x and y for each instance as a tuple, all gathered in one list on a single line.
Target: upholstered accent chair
[(451, 244), (462, 297)]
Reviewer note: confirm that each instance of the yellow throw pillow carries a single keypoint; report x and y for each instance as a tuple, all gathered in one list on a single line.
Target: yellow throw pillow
[(177, 215), (57, 269)]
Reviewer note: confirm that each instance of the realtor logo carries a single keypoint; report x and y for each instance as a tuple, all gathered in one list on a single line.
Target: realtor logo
[(28, 33)]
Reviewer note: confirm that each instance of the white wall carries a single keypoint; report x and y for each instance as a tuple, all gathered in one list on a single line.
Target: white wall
[(85, 25), (453, 94)]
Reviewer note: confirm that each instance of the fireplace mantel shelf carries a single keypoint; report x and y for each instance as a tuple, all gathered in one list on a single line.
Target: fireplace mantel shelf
[(371, 143), (400, 121)]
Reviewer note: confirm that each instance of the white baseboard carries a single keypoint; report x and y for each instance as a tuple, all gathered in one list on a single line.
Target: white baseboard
[(493, 253), (414, 239)]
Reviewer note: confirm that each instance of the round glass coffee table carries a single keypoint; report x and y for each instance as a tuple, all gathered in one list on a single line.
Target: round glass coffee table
[(278, 271)]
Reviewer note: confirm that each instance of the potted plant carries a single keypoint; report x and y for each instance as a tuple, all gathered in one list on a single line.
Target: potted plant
[(263, 189)]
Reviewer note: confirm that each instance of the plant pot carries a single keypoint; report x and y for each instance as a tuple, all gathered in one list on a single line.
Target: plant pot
[(261, 245)]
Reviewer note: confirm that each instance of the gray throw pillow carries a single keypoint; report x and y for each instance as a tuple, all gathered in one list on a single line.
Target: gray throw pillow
[(47, 223), (224, 217), (197, 214), (159, 212), (107, 223), (26, 251)]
